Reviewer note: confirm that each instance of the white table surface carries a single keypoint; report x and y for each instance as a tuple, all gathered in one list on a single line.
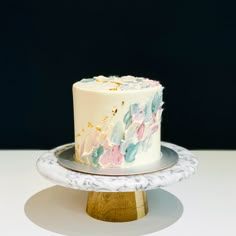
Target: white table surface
[(208, 197)]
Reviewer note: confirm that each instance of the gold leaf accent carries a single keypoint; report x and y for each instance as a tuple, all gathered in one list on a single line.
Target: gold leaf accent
[(90, 125), (112, 89), (101, 81), (98, 128), (105, 118), (114, 111), (118, 83)]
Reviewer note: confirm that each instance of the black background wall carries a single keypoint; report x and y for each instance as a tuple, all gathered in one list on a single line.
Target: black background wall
[(190, 46)]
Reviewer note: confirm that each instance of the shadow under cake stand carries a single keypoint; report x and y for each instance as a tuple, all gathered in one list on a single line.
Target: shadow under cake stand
[(116, 198)]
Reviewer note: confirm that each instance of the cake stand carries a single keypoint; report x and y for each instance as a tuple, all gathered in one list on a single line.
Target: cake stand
[(117, 198)]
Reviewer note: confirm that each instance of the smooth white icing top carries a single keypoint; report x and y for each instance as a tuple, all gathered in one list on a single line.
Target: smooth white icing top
[(115, 83)]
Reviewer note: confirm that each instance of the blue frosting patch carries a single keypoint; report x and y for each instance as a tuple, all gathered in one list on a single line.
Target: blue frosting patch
[(134, 108), (148, 111), (131, 152), (117, 133), (156, 102), (123, 146), (96, 154)]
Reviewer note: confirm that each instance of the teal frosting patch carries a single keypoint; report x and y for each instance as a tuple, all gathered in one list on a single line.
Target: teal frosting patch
[(131, 152), (127, 119), (156, 102), (117, 133), (96, 154), (87, 80)]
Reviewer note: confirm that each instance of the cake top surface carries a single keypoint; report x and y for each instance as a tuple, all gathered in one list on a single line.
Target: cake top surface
[(116, 83)]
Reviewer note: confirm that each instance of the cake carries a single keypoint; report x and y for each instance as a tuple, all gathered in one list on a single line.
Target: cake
[(117, 121)]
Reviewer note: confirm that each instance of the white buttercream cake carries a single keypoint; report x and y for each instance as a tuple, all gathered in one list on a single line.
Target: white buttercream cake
[(117, 121)]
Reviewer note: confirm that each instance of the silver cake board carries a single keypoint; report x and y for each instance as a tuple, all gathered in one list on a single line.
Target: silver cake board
[(168, 158)]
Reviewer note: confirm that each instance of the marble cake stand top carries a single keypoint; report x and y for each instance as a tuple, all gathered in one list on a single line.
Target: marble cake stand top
[(48, 166)]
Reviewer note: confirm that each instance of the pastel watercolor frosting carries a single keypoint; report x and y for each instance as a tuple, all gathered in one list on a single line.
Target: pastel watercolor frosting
[(117, 121)]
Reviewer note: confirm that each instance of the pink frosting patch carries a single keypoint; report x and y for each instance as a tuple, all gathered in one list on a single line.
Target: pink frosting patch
[(81, 149), (154, 129), (106, 145), (111, 158), (154, 83), (105, 159), (117, 157), (154, 116), (140, 131), (139, 117)]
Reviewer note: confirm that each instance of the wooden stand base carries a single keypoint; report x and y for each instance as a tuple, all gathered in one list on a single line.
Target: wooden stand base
[(117, 206)]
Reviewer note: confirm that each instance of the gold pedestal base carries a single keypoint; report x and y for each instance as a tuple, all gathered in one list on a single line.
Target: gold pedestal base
[(117, 206)]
